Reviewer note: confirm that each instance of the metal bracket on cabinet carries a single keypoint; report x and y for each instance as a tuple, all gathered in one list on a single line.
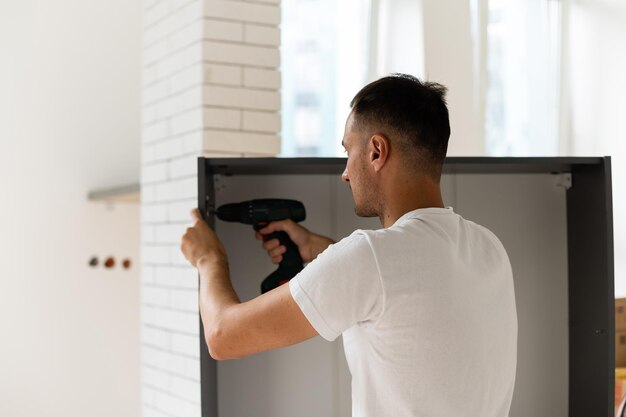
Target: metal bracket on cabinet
[(563, 179)]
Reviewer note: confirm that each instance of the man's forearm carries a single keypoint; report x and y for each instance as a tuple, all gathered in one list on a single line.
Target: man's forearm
[(216, 291), (319, 244)]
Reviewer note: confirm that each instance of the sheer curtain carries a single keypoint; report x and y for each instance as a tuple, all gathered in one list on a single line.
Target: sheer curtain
[(522, 73)]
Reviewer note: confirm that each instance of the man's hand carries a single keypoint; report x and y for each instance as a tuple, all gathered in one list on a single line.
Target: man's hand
[(309, 244), (201, 244)]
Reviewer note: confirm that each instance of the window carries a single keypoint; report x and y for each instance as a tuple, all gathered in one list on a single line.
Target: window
[(330, 49), (325, 46)]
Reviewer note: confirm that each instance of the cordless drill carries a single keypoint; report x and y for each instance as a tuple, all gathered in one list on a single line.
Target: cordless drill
[(259, 213)]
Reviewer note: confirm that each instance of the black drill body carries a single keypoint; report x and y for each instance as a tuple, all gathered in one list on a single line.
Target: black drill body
[(259, 213)]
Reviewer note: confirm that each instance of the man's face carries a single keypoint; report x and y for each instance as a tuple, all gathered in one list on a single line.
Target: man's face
[(357, 173)]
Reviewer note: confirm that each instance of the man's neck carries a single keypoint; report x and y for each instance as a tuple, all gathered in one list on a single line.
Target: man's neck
[(404, 198)]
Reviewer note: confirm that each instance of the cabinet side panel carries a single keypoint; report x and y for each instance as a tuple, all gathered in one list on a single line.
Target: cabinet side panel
[(208, 367), (592, 348)]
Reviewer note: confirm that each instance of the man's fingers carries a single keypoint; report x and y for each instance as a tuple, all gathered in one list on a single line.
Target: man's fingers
[(273, 247), (274, 250), (270, 244), (277, 251), (195, 215), (279, 225)]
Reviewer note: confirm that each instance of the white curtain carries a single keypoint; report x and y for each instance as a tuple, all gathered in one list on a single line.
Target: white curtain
[(522, 72)]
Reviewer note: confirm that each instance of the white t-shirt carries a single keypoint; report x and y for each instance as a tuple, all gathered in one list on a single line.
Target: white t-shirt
[(427, 312)]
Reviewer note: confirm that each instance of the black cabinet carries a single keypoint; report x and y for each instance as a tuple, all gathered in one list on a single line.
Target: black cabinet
[(554, 217)]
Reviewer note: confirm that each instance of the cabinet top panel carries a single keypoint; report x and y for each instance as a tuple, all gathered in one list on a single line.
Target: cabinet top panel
[(453, 165)]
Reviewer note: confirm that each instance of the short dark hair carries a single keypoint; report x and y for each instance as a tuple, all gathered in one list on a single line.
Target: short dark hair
[(412, 114)]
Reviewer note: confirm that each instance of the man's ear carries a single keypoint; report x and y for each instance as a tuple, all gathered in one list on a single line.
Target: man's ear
[(378, 151)]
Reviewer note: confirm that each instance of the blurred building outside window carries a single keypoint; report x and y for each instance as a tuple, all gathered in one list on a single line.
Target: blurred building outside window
[(325, 46)]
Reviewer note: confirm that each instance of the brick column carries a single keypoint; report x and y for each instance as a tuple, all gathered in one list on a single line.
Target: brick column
[(211, 87)]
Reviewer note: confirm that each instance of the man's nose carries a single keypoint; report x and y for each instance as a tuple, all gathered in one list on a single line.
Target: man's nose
[(344, 175)]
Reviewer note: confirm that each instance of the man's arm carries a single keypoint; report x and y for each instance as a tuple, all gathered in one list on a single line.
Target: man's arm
[(234, 329)]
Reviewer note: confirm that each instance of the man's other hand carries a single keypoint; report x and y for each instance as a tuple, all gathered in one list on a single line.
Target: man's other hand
[(201, 243), (309, 244)]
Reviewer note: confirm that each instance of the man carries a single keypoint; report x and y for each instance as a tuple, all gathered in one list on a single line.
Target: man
[(425, 305)]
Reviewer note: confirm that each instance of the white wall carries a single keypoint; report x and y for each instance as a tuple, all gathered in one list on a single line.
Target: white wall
[(596, 108), (69, 123)]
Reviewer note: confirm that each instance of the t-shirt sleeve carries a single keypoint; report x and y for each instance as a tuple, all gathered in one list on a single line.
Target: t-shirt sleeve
[(341, 287)]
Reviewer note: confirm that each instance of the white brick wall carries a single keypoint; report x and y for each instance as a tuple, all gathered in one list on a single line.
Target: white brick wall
[(211, 86)]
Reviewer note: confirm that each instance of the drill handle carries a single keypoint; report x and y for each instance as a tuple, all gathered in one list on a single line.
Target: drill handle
[(291, 257), (289, 266)]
